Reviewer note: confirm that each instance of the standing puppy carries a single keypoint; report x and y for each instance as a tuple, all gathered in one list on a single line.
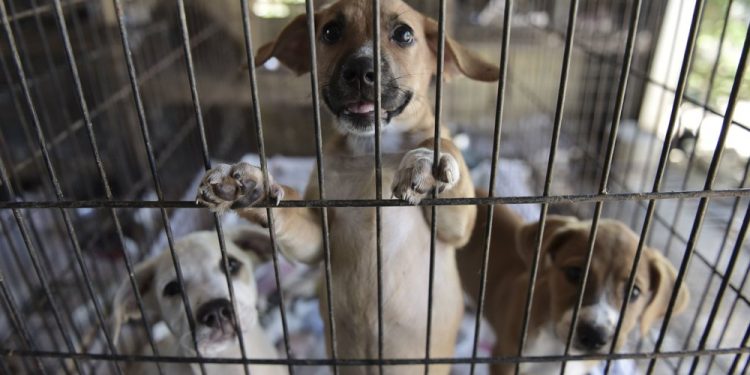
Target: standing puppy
[(205, 285), (345, 62), (561, 267)]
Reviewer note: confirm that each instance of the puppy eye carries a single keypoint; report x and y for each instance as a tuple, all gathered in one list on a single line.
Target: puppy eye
[(172, 289), (234, 265), (331, 33), (573, 274), (635, 294), (403, 35)]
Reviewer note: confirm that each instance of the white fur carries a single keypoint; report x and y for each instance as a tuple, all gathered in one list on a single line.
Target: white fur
[(547, 343), (200, 257)]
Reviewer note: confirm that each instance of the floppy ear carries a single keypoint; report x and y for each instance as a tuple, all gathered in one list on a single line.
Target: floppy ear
[(526, 238), (458, 59), (291, 47), (125, 306), (253, 240), (662, 275)]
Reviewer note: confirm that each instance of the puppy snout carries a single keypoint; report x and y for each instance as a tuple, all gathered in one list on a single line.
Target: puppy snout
[(359, 72), (216, 313), (592, 337)]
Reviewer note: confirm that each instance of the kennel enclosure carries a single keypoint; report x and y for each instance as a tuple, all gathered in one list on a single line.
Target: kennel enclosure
[(112, 109)]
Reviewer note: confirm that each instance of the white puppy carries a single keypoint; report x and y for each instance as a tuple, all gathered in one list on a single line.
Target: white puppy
[(206, 287)]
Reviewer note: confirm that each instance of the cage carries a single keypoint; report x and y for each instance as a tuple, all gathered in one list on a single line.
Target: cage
[(112, 110)]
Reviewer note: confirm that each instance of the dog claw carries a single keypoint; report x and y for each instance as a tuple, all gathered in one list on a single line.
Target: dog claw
[(414, 178), (233, 187)]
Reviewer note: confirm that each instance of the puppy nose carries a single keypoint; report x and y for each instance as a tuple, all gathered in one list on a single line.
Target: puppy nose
[(592, 337), (216, 313), (359, 71)]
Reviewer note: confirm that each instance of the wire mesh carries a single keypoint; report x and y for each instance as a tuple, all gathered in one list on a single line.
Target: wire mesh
[(108, 111)]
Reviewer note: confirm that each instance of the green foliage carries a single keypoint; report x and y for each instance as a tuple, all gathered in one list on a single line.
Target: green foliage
[(707, 50)]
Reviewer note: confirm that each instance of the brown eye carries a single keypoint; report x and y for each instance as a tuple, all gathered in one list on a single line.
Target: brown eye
[(573, 274), (635, 293), (172, 289), (331, 33), (403, 35), (234, 265)]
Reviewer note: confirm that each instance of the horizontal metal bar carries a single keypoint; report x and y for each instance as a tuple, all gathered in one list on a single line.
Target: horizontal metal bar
[(640, 74), (40, 10), (122, 93), (375, 362), (552, 199)]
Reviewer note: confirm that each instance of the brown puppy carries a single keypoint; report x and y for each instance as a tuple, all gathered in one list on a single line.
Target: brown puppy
[(564, 249), (345, 63)]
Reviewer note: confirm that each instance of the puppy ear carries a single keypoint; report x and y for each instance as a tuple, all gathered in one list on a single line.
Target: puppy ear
[(527, 236), (253, 240), (662, 275), (291, 47), (458, 59), (125, 305)]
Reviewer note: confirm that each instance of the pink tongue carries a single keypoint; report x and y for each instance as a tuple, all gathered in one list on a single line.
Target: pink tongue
[(364, 107)]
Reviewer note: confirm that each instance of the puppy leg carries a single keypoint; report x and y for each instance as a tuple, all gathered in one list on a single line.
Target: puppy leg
[(414, 180), (240, 187)]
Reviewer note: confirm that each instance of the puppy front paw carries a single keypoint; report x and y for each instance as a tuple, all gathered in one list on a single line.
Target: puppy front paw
[(414, 178), (236, 186)]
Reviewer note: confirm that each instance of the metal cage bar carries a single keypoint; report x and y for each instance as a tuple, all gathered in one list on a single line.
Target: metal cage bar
[(98, 100)]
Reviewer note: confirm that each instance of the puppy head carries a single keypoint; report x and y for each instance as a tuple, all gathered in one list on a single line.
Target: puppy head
[(204, 284), (343, 39), (565, 247)]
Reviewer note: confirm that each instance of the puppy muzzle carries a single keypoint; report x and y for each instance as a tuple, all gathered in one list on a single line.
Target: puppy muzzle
[(591, 337), (351, 93)]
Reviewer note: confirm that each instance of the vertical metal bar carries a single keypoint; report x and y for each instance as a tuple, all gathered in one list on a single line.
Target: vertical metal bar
[(499, 107), (736, 362), (719, 256), (207, 165), (435, 164), (679, 91), (102, 174), (377, 53), (29, 68), (87, 120), (722, 288), (132, 75), (21, 222), (25, 276), (601, 112), (311, 33), (706, 101), (25, 57), (32, 111), (18, 323), (264, 167), (620, 103), (702, 206), (660, 169), (584, 131), (732, 309), (562, 90)]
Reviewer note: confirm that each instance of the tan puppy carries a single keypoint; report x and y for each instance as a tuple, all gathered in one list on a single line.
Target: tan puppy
[(345, 54), (564, 250), (206, 287)]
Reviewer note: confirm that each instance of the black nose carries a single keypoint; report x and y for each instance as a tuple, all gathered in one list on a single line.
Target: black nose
[(359, 71), (216, 313), (592, 337)]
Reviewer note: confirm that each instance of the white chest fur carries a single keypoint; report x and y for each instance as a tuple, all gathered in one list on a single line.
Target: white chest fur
[(546, 343)]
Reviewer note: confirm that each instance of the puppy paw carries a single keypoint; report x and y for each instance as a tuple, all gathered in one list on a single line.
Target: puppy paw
[(414, 178), (236, 186)]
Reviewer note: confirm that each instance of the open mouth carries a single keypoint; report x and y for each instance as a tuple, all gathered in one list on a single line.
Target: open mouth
[(362, 112), (362, 109)]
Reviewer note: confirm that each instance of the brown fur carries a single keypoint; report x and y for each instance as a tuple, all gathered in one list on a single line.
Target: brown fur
[(565, 243), (350, 174)]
